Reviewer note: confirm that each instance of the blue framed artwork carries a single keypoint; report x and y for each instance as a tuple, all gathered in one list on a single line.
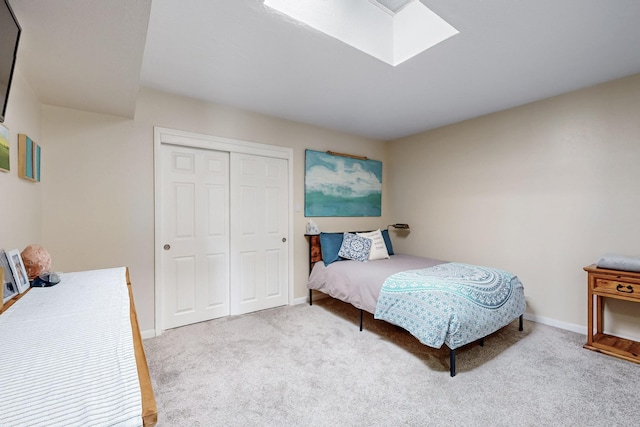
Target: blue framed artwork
[(340, 185), (29, 154)]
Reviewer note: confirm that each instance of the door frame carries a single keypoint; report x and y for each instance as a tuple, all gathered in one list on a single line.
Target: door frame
[(197, 140)]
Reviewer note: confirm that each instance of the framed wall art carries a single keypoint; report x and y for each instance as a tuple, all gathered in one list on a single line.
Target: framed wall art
[(4, 149), (29, 154), (337, 184)]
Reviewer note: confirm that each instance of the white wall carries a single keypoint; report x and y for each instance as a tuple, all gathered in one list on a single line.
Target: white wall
[(542, 190), (20, 220), (103, 182)]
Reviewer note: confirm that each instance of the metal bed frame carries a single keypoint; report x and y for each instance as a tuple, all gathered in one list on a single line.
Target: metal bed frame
[(452, 352)]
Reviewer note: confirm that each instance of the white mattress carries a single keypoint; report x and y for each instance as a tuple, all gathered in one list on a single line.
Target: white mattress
[(67, 355)]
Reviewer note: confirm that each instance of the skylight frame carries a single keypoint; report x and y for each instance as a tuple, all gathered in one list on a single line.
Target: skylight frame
[(369, 28), (391, 11)]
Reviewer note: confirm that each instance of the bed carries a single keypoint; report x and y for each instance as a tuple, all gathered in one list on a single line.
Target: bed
[(438, 302)]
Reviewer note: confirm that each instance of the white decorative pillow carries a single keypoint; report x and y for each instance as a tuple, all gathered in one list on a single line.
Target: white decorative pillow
[(378, 246), (355, 247)]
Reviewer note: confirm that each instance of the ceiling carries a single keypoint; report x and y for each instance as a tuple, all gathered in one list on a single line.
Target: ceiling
[(94, 56)]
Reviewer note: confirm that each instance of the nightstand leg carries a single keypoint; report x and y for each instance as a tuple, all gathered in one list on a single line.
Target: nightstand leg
[(599, 313), (590, 319)]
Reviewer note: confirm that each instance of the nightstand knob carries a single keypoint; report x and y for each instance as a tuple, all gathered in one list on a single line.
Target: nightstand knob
[(620, 288)]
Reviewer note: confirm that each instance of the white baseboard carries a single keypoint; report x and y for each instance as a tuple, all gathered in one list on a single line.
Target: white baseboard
[(149, 333), (302, 300), (556, 323), (305, 300), (532, 317)]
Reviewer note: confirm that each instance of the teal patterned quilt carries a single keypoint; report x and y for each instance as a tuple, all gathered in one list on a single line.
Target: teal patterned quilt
[(452, 303)]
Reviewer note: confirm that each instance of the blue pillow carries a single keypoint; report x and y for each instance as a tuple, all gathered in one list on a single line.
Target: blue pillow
[(330, 245), (355, 247), (387, 241)]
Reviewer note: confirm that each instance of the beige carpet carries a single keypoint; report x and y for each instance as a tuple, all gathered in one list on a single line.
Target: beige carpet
[(310, 366)]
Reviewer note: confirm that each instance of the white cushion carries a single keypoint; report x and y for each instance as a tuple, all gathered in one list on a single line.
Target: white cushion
[(378, 247)]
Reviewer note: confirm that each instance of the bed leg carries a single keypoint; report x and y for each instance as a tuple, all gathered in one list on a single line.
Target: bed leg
[(452, 362), (310, 297), (360, 320), (520, 328)]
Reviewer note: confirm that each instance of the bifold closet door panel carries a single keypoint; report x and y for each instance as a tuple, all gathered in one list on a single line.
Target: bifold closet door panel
[(195, 235), (259, 232)]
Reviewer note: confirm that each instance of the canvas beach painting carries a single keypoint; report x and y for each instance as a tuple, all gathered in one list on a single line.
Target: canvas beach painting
[(4, 149), (338, 185)]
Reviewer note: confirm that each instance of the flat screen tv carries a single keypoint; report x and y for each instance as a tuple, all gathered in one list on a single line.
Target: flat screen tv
[(9, 36)]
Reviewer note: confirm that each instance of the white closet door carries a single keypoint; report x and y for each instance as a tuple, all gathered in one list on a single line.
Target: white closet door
[(195, 235), (259, 233)]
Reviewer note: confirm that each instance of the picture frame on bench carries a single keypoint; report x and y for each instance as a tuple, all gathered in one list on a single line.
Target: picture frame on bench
[(9, 288), (17, 269)]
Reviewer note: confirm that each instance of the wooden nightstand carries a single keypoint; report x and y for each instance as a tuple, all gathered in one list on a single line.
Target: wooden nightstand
[(622, 285), (314, 250)]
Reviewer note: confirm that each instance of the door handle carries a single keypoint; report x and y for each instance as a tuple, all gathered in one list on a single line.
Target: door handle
[(167, 247), (284, 239)]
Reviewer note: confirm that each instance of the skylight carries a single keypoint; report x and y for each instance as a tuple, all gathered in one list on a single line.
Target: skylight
[(391, 6), (391, 30)]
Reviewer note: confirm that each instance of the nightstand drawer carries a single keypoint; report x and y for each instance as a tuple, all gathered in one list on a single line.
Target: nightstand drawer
[(616, 287)]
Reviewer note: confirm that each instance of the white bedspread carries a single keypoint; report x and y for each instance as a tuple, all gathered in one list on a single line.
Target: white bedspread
[(67, 355)]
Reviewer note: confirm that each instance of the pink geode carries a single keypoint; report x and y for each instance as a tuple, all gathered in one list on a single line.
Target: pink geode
[(36, 260)]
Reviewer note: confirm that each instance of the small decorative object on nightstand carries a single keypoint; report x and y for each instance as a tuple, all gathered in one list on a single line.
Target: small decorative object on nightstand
[(312, 228), (617, 284)]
